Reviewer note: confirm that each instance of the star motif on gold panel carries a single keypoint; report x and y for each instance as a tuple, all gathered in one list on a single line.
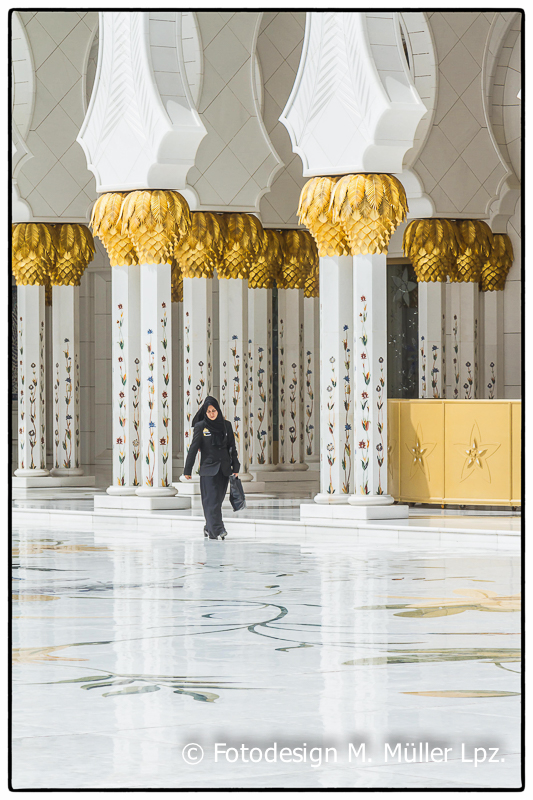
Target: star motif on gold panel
[(420, 451), (476, 455)]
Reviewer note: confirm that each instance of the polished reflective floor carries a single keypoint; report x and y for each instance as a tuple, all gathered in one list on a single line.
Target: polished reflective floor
[(128, 648)]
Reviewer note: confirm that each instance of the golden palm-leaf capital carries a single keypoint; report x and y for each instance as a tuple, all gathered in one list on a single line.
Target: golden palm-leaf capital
[(369, 207), (33, 253), (495, 270), (315, 212), (433, 246), (265, 268), (299, 258), (244, 242), (475, 240), (106, 226), (75, 249), (312, 283), (199, 252), (155, 221)]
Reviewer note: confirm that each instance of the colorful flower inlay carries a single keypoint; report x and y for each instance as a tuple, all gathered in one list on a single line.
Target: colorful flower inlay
[(346, 462), (364, 444)]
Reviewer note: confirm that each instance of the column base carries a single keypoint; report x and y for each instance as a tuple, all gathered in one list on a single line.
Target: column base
[(245, 477), (49, 482), (121, 491), (350, 512), (262, 468), (128, 502), (293, 467), (62, 472), (362, 500), (31, 473), (323, 498), (188, 488), (156, 491)]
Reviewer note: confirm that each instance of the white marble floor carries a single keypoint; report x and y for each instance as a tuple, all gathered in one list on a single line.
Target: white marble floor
[(130, 645)]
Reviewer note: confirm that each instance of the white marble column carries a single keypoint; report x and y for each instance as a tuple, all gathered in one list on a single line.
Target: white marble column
[(311, 356), (465, 340), (197, 353), (66, 377), (260, 379), (233, 359), (177, 389), (291, 379), (491, 360), (31, 382), (126, 384), (156, 382), (370, 361), (336, 383), (432, 339)]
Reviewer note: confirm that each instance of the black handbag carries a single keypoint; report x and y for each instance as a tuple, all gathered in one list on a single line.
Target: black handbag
[(236, 493)]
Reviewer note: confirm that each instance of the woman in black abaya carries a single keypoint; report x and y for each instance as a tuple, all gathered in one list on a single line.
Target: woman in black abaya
[(213, 437)]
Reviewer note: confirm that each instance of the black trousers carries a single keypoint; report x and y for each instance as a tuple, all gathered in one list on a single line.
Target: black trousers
[(213, 490)]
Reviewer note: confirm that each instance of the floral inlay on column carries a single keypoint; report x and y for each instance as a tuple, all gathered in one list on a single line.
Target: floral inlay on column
[(331, 450), (33, 255), (455, 356), (380, 451), (364, 444), (347, 455), (309, 428)]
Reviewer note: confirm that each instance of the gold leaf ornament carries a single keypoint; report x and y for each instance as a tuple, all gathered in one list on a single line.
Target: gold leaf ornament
[(369, 208), (75, 249), (155, 221), (33, 253), (315, 212), (105, 224), (312, 283), (266, 267), (300, 256), (176, 282), (200, 252), (244, 243), (500, 261), (475, 241), (432, 245)]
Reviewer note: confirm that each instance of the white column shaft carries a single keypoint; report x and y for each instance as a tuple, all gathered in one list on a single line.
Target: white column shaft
[(291, 378), (31, 381), (127, 397), (336, 370), (465, 339), (260, 376), (197, 349), (233, 357), (311, 376), (156, 383), (370, 360), (66, 374), (432, 339), (491, 360), (177, 380)]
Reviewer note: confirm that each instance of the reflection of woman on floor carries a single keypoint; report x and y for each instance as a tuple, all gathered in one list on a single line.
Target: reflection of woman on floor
[(213, 437)]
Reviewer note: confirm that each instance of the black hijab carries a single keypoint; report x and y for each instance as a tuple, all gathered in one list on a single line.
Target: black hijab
[(216, 426)]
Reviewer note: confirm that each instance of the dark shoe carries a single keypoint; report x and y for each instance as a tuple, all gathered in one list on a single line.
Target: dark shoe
[(223, 534), (213, 536), (206, 532)]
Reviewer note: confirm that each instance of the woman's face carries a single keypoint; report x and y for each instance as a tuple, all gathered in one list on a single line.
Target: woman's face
[(211, 412)]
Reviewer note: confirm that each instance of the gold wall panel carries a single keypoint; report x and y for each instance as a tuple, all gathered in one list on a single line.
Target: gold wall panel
[(478, 452), (516, 453), (422, 451), (457, 452), (393, 441)]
